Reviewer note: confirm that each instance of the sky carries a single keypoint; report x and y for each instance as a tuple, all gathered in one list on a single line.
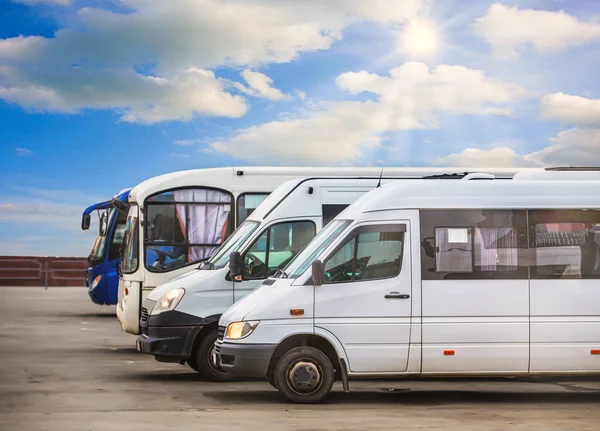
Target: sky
[(99, 95)]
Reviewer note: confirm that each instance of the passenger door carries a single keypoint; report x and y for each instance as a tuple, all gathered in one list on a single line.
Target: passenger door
[(271, 251), (365, 301)]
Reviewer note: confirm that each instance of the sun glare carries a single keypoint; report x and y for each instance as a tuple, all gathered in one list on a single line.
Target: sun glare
[(420, 38)]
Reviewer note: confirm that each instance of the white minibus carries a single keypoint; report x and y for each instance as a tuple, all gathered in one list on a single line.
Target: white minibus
[(422, 279), (176, 220)]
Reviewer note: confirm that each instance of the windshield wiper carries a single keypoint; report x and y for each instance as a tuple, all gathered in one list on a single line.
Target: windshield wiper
[(280, 273), (207, 263)]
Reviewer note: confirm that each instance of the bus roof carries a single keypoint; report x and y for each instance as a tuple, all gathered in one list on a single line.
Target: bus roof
[(233, 178), (445, 194)]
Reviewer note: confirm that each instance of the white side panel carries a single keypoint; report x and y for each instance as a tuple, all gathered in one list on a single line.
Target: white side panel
[(476, 329), (461, 298), (565, 325), (484, 322), (564, 357), (565, 298), (476, 358), (130, 314)]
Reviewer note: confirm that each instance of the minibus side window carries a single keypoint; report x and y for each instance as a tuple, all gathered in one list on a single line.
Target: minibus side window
[(247, 203), (372, 255), (474, 244), (566, 244), (276, 247)]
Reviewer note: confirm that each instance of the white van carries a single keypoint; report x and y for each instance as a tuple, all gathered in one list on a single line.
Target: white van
[(428, 279), (176, 220)]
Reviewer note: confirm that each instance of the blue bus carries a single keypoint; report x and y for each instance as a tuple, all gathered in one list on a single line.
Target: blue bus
[(101, 276)]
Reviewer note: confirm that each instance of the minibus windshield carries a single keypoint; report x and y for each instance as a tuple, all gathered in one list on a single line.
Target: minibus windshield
[(129, 257), (305, 258), (233, 243)]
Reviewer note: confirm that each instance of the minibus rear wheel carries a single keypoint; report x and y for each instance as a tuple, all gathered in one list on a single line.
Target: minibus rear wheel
[(203, 354), (304, 375)]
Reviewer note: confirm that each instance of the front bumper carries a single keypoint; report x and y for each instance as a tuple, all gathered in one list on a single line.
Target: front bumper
[(245, 360), (168, 344)]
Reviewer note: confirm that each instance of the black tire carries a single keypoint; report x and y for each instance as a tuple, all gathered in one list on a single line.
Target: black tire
[(192, 363), (299, 369), (271, 378), (202, 359)]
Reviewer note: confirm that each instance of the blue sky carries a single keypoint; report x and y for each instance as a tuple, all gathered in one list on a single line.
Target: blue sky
[(98, 95)]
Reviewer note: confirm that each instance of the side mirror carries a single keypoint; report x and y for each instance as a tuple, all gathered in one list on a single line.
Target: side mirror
[(236, 266), (85, 222), (120, 206), (318, 273)]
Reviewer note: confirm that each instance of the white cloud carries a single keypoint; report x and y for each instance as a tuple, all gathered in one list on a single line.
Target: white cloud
[(509, 29), (411, 97), (573, 147), (142, 99), (187, 142), (97, 62), (499, 157), (260, 86), (575, 110), (301, 94), (23, 152), (50, 2)]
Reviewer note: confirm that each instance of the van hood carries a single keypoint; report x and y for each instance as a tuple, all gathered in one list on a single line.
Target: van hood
[(271, 302), (185, 280)]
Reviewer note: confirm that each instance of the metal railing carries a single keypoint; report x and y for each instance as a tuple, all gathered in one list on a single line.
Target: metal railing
[(42, 271)]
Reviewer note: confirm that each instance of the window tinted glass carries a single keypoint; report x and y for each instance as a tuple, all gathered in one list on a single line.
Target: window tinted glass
[(566, 244), (474, 244), (185, 226), (247, 203), (367, 256), (276, 247)]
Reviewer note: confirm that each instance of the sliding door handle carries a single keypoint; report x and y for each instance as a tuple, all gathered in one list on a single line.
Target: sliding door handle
[(397, 295)]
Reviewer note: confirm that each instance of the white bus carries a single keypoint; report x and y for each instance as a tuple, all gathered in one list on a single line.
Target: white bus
[(176, 220), (425, 279)]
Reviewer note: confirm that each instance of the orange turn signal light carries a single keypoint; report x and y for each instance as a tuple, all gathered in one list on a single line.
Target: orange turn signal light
[(448, 352), (297, 311), (595, 352), (126, 291)]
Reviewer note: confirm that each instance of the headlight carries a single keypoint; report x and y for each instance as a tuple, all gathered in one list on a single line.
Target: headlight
[(96, 281), (168, 301), (239, 330)]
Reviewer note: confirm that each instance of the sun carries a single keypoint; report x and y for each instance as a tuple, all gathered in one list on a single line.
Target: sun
[(420, 38)]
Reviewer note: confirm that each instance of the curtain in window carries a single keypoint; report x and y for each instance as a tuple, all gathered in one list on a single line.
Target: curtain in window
[(207, 223)]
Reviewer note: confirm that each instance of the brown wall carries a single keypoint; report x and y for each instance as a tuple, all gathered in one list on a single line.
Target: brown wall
[(42, 271)]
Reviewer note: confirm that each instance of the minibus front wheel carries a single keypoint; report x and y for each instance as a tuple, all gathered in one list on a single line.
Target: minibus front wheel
[(304, 375), (203, 358)]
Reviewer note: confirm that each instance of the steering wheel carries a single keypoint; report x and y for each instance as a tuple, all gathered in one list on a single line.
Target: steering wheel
[(251, 262)]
